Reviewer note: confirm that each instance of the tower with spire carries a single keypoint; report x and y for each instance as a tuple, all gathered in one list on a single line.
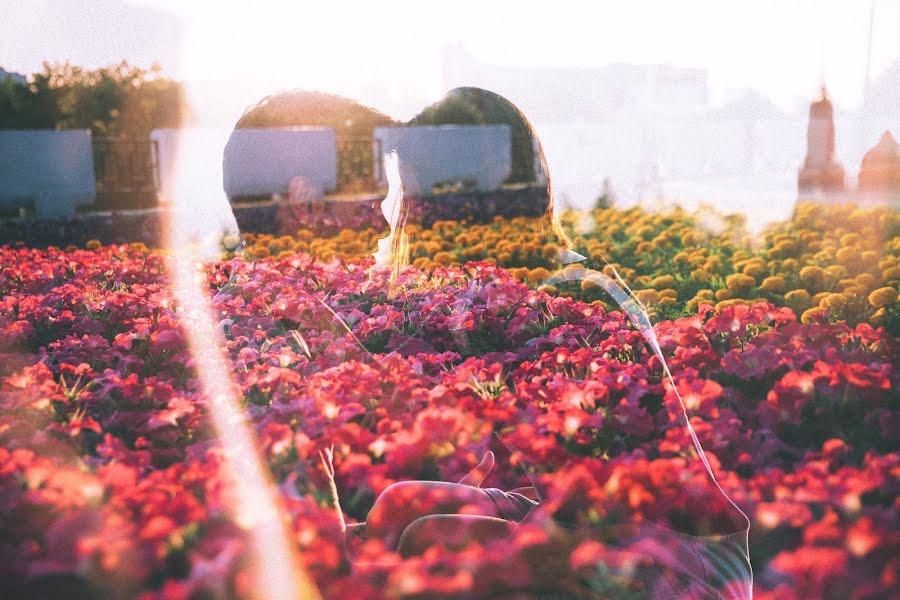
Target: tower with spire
[(822, 176)]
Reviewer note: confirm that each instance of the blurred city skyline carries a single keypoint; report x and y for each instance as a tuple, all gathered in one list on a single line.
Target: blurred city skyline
[(694, 101), (393, 57)]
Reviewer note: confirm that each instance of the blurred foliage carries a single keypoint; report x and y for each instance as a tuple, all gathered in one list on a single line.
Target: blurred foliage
[(117, 101), (301, 108)]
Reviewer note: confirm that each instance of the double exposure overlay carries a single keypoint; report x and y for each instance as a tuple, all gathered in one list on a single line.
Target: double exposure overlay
[(321, 351)]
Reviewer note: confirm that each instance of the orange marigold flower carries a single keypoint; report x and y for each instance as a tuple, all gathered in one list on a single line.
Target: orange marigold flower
[(739, 281), (775, 283), (883, 297)]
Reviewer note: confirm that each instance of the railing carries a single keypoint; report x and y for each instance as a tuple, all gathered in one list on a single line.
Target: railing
[(358, 169), (126, 173)]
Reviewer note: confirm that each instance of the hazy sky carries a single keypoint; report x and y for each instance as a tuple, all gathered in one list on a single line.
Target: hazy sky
[(388, 54)]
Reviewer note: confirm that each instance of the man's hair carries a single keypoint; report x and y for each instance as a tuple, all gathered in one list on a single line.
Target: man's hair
[(314, 109)]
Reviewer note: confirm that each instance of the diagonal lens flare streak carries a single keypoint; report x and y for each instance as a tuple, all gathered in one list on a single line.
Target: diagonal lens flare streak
[(191, 236), (277, 568)]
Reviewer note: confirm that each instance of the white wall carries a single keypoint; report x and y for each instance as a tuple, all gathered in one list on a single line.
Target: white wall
[(263, 161), (51, 171), (247, 161), (445, 153)]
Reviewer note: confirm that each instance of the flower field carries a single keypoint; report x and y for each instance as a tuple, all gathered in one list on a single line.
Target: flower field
[(674, 260), (113, 484)]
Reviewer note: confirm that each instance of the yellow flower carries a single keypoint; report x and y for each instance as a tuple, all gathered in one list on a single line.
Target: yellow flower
[(891, 273), (730, 302), (866, 280), (783, 249), (444, 258), (854, 290), (812, 276), (850, 239), (868, 259), (548, 289), (754, 269), (835, 272), (817, 298), (774, 283), (697, 300), (739, 281), (518, 272), (790, 264), (812, 314), (663, 282), (713, 264), (588, 285), (93, 245), (668, 293), (724, 294), (641, 281), (883, 297), (847, 255), (647, 297), (644, 232), (833, 301), (537, 275)]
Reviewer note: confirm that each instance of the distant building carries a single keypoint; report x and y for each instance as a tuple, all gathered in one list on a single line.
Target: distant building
[(15, 77), (879, 174), (822, 176), (591, 94)]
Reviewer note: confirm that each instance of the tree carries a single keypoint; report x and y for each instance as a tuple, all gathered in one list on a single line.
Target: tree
[(26, 107), (348, 118), (117, 101), (122, 102)]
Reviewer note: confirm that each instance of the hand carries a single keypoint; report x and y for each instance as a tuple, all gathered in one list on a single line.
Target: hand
[(476, 476)]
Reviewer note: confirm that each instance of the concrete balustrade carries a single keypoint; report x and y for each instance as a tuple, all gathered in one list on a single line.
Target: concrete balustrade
[(46, 173), (263, 161), (479, 156)]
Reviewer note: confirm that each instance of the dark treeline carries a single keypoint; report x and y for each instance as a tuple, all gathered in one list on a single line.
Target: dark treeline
[(121, 101)]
